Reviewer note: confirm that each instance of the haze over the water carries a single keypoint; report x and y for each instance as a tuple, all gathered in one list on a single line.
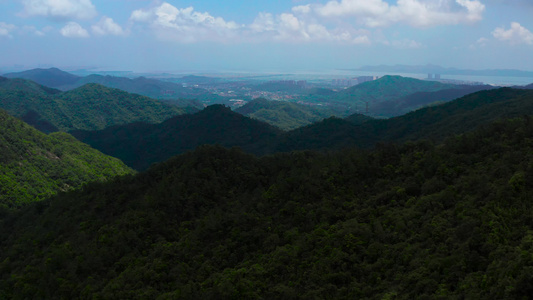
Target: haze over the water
[(264, 35)]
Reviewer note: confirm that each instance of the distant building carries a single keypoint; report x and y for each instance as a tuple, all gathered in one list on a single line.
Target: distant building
[(362, 79), (437, 76), (430, 76)]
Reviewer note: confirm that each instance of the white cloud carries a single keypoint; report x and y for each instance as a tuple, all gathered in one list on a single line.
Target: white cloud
[(515, 35), (60, 9), (291, 28), (74, 30), (6, 29), (185, 24), (106, 26), (417, 13)]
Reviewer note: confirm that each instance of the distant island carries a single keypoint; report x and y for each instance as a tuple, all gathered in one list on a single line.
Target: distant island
[(435, 69)]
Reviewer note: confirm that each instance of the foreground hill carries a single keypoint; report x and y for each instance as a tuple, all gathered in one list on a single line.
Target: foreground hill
[(282, 114), (34, 166), (52, 77), (409, 222), (89, 107), (140, 144)]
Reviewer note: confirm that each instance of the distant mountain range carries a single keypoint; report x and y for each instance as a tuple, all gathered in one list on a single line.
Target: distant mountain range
[(149, 87), (90, 107), (435, 69)]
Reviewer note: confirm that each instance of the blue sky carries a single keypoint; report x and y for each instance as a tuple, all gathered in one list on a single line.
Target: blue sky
[(261, 35)]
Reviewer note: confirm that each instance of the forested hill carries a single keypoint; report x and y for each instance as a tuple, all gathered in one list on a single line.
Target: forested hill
[(26, 86), (34, 166), (52, 77), (140, 144), (411, 102), (434, 123), (89, 107), (387, 88), (283, 114), (416, 221), (149, 87)]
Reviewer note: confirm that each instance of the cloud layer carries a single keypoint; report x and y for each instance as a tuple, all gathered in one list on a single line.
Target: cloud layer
[(184, 24), (60, 9), (74, 30), (515, 35)]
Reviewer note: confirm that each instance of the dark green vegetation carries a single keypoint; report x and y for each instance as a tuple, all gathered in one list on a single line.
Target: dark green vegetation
[(140, 144), (417, 221), (434, 123), (417, 100), (89, 107), (34, 166), (283, 114)]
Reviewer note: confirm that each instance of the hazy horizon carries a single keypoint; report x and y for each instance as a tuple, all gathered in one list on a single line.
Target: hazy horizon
[(261, 35)]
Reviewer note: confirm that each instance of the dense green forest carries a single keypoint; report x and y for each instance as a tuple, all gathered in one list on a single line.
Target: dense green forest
[(140, 145), (34, 166), (416, 221), (283, 114), (89, 107), (406, 104)]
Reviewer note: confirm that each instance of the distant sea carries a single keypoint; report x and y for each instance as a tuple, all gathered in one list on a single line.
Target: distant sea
[(326, 75)]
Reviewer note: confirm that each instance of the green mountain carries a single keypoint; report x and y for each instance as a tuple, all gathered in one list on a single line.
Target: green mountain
[(139, 144), (149, 87), (23, 85), (435, 122), (416, 221), (385, 89), (89, 107), (417, 100), (34, 166), (52, 77), (282, 114), (358, 119)]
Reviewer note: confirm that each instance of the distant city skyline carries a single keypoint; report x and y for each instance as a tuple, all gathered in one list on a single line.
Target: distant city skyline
[(261, 35)]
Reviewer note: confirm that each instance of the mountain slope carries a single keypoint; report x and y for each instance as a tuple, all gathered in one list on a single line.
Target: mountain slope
[(387, 88), (417, 100), (282, 114), (409, 222), (140, 144), (89, 107), (34, 166), (435, 123), (52, 77)]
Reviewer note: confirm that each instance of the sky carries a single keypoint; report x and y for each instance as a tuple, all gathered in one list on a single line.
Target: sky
[(264, 35)]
